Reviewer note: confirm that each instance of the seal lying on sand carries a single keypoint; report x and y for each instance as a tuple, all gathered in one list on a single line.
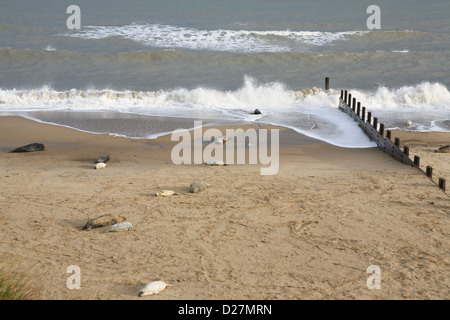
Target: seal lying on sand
[(153, 287), (30, 148), (215, 163), (103, 159), (444, 149), (196, 187), (103, 220), (121, 226), (165, 193), (100, 165)]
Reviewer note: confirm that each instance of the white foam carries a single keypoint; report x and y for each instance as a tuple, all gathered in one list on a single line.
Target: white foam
[(310, 111), (170, 36)]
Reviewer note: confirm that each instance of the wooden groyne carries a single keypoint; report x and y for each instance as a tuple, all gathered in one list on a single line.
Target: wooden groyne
[(376, 132)]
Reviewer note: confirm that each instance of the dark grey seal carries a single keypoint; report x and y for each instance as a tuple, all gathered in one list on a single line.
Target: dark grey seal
[(30, 148), (443, 149), (103, 159), (256, 112)]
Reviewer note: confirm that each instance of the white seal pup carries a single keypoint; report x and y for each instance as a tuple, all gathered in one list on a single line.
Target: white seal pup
[(213, 162), (165, 193), (100, 165), (409, 123), (222, 139), (153, 287), (120, 226)]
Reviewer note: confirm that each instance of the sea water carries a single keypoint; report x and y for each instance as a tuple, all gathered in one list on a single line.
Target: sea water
[(220, 60)]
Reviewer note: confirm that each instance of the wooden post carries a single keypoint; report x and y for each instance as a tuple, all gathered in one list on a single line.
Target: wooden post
[(417, 161), (358, 109), (382, 129), (369, 117), (375, 123), (342, 94), (345, 96), (388, 134), (327, 83), (406, 150), (442, 184), (363, 117), (429, 172), (397, 142), (349, 102), (354, 104)]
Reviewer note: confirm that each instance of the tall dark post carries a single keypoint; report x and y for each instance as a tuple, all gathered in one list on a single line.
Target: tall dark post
[(327, 83), (345, 96), (363, 117), (382, 129), (397, 142), (342, 94), (429, 172), (369, 117), (375, 123), (354, 104), (442, 184), (406, 150), (388, 135), (417, 161), (349, 102), (358, 109)]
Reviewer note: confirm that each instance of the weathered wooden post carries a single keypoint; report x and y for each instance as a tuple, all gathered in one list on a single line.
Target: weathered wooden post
[(358, 109), (417, 161), (397, 142), (406, 150), (442, 184), (375, 123), (382, 129), (369, 117), (429, 172), (345, 96), (327, 83), (349, 102), (354, 105), (388, 134), (363, 117), (342, 94)]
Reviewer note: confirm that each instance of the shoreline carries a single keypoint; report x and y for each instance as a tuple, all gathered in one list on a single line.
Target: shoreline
[(308, 232)]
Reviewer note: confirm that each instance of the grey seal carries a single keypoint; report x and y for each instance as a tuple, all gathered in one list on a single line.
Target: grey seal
[(30, 148), (103, 220)]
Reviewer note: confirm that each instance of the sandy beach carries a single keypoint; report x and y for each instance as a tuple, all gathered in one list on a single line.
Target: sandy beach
[(308, 232)]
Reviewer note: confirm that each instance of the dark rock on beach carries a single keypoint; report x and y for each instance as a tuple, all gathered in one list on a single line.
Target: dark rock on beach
[(30, 148), (256, 112)]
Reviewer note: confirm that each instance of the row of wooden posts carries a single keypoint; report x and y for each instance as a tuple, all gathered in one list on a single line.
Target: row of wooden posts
[(376, 132)]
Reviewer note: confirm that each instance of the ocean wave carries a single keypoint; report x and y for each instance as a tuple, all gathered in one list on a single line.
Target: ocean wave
[(312, 111), (170, 36)]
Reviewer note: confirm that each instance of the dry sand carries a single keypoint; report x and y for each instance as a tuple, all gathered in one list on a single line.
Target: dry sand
[(309, 232)]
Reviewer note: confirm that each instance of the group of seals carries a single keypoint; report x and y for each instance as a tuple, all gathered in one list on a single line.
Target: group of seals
[(30, 148)]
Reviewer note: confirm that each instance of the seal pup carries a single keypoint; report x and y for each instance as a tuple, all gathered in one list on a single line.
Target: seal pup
[(100, 165), (103, 220), (103, 159), (443, 149), (30, 148), (409, 123), (120, 226), (213, 162), (165, 193), (196, 187), (221, 139), (153, 287)]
